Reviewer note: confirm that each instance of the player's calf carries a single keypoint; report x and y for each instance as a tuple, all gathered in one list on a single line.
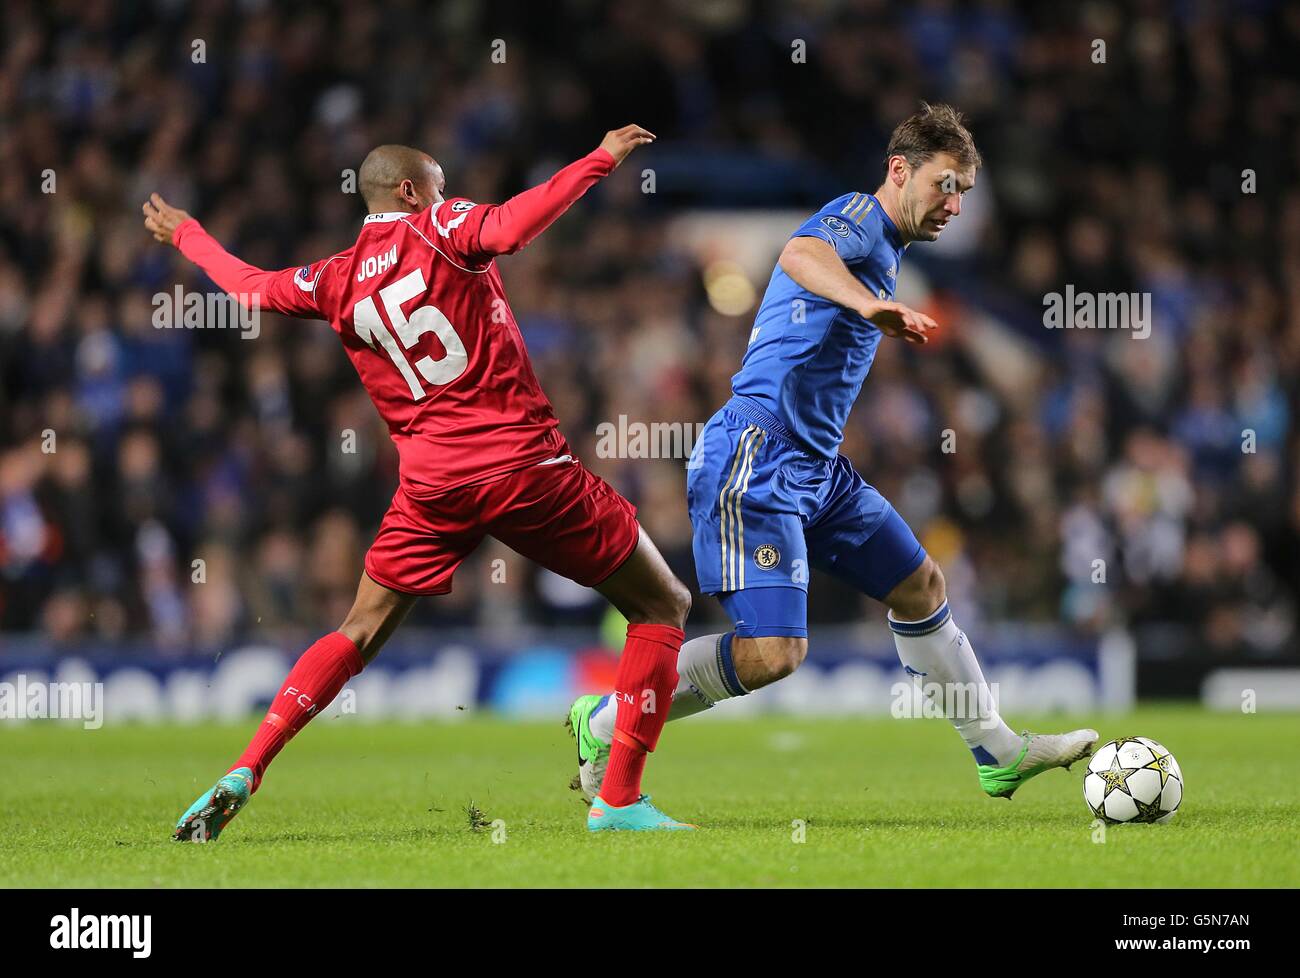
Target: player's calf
[(656, 605), (324, 669), (769, 643), (316, 678), (939, 656), (762, 660), (710, 669)]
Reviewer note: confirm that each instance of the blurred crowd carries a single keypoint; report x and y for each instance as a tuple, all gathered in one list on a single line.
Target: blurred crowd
[(191, 487)]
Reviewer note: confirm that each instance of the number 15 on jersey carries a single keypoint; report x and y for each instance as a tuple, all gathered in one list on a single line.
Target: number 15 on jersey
[(426, 319)]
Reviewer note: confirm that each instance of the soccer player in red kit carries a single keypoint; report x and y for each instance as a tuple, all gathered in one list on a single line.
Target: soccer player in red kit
[(421, 311)]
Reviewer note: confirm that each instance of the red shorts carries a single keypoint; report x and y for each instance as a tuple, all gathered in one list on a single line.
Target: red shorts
[(555, 513)]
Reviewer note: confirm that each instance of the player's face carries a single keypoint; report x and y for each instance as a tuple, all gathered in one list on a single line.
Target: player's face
[(932, 195)]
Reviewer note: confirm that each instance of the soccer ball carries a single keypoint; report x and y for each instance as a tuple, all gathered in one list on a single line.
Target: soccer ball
[(1133, 779)]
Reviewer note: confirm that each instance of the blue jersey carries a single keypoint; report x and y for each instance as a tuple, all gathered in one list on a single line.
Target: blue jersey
[(807, 356)]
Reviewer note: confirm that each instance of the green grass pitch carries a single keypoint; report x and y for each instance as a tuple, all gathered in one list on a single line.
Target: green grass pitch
[(883, 803)]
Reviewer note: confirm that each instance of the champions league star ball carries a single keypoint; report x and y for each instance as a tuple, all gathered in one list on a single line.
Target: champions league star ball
[(1133, 779)]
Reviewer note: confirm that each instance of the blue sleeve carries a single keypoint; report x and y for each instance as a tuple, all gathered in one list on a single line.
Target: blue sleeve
[(840, 225)]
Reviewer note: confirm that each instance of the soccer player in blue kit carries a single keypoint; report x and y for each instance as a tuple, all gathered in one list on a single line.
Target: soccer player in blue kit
[(769, 495)]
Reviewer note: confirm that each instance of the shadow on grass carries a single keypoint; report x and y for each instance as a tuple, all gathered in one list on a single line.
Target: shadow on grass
[(865, 823), (413, 834)]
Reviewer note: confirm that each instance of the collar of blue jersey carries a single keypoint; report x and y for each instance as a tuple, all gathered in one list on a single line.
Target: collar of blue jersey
[(888, 223)]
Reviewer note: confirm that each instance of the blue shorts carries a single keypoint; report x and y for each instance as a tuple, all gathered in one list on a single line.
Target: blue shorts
[(764, 512)]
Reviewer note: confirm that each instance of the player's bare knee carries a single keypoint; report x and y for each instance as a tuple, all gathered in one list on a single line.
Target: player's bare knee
[(666, 605), (682, 601), (920, 595)]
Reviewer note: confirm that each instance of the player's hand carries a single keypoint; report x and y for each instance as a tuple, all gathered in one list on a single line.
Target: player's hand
[(161, 219), (618, 143), (896, 319)]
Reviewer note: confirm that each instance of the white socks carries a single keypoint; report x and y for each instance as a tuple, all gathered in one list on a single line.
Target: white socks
[(935, 651), (939, 656), (706, 676)]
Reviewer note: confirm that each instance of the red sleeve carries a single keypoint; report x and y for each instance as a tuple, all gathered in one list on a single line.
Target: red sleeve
[(289, 291), (479, 231)]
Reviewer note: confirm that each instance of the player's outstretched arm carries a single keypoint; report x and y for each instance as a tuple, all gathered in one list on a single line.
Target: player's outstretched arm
[(509, 226), (249, 284), (814, 265)]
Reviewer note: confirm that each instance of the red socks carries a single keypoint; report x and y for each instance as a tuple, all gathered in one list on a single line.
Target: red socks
[(646, 679), (311, 685), (643, 689)]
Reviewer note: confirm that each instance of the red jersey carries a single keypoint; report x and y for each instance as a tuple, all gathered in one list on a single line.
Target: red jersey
[(422, 314)]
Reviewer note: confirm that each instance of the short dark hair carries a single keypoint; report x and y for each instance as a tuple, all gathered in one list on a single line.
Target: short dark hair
[(384, 168), (935, 129)]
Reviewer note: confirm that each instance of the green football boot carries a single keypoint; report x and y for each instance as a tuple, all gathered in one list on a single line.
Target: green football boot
[(1038, 753), (593, 753)]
